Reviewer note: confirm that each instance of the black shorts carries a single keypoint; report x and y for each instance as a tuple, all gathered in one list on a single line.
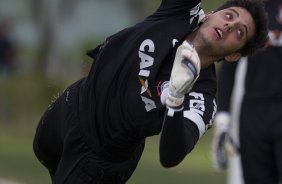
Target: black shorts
[(59, 146)]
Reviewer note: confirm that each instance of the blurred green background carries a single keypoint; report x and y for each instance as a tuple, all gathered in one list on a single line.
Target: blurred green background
[(49, 46)]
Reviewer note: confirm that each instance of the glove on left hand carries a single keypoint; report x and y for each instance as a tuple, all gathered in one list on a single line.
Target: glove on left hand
[(219, 141)]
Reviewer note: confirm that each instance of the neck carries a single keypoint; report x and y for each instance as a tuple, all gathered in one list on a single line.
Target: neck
[(203, 52)]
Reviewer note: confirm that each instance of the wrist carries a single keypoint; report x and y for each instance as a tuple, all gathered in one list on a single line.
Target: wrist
[(171, 111), (222, 121), (174, 101)]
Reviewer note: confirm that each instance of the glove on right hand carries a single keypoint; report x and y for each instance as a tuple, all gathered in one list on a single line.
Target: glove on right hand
[(185, 71)]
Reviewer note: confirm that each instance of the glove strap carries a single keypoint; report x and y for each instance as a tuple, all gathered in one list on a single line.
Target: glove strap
[(173, 103), (171, 111)]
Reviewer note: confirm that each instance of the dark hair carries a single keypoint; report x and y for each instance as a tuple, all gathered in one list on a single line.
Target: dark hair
[(259, 15)]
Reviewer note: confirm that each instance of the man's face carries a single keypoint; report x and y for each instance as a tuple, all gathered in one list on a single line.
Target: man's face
[(226, 31)]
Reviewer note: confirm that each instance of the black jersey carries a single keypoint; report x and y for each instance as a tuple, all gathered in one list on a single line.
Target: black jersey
[(119, 101)]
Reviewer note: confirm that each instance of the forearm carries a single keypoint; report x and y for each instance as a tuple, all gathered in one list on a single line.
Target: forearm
[(178, 138), (178, 135)]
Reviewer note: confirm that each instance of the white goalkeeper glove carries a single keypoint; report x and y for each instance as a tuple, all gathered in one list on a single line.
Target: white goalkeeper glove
[(185, 71), (222, 143)]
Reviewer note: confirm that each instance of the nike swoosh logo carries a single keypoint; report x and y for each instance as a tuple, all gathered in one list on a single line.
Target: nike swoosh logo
[(174, 41)]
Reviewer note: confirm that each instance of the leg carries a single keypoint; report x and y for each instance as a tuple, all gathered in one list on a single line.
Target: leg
[(79, 165)]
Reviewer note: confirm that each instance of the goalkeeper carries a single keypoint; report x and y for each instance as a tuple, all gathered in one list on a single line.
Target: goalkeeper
[(155, 77)]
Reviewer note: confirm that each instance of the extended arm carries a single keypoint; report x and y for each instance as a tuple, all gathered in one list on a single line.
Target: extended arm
[(178, 138), (188, 112)]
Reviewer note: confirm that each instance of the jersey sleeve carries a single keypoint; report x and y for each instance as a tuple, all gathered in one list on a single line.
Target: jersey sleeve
[(200, 103), (190, 9), (178, 138), (200, 109), (181, 132), (174, 3)]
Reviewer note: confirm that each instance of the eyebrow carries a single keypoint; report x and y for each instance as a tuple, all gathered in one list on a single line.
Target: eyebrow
[(237, 14)]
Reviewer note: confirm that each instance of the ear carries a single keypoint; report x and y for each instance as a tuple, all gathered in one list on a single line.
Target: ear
[(233, 57), (207, 16)]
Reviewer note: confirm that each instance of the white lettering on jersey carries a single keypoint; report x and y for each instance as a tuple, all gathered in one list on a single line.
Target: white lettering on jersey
[(146, 60), (149, 104), (198, 104), (196, 112), (146, 47), (197, 12)]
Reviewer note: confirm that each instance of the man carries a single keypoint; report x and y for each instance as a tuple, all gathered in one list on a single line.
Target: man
[(145, 80), (250, 113)]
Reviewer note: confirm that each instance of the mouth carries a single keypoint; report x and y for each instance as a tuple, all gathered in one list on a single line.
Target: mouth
[(219, 33)]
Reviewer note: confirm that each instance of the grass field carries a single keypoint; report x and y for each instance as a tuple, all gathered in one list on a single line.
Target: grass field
[(195, 169), (19, 164), (24, 98)]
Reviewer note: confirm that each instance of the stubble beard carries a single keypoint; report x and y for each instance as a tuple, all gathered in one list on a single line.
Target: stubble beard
[(205, 48)]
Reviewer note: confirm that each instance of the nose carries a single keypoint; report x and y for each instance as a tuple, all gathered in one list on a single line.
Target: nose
[(229, 27)]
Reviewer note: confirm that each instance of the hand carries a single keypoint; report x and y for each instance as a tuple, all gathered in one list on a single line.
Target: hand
[(185, 71), (220, 140)]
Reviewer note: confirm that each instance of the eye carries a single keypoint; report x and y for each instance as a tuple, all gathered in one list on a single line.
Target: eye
[(240, 33), (229, 16)]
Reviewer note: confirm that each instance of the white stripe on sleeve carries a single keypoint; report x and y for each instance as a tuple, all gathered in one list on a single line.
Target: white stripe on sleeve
[(197, 119)]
